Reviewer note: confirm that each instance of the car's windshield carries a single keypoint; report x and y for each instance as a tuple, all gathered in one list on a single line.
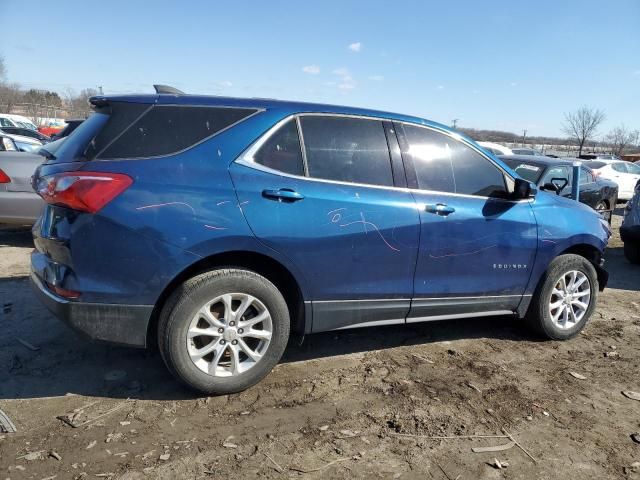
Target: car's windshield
[(528, 171)]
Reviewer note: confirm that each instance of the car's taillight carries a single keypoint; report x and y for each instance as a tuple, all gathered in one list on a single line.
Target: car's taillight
[(84, 191), (4, 178)]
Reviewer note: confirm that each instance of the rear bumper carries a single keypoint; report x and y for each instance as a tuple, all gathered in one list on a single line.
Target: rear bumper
[(630, 233), (112, 323)]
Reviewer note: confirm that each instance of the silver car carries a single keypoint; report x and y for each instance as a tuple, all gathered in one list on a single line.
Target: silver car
[(19, 204), (630, 229)]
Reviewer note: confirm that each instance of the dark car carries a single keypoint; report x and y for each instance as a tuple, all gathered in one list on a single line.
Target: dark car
[(217, 227), (557, 175), (66, 131), (27, 132)]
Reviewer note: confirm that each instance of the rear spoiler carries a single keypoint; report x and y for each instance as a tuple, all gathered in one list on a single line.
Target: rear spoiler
[(100, 101)]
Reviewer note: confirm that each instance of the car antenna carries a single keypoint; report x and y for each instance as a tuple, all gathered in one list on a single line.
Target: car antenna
[(168, 89)]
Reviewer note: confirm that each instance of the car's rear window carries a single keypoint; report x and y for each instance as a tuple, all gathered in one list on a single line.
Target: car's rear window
[(138, 130), (165, 130)]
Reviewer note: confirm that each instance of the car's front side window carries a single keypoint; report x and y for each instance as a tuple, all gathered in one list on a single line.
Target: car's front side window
[(555, 175), (346, 149), (445, 164), (282, 150), (619, 167)]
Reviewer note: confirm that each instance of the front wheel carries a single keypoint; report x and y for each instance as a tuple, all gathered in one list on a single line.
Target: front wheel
[(223, 331), (565, 298)]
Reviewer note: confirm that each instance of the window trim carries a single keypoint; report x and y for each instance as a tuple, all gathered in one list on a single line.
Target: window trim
[(246, 158), (157, 105)]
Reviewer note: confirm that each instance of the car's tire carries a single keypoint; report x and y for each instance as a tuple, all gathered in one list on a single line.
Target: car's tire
[(602, 207), (228, 368), (551, 322), (632, 252)]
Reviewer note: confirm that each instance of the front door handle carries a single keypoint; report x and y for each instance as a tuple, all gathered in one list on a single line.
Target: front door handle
[(283, 195), (441, 209)]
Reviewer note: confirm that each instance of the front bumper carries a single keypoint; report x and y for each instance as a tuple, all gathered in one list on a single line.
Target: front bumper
[(112, 323)]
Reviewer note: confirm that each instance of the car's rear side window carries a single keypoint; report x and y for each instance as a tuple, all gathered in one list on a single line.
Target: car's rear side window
[(282, 150), (346, 149), (169, 129)]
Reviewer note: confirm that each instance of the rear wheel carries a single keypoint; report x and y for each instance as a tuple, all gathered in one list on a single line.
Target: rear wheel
[(632, 252), (565, 298), (223, 331)]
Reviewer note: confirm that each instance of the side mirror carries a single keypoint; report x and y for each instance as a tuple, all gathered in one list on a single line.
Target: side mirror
[(552, 187), (523, 189)]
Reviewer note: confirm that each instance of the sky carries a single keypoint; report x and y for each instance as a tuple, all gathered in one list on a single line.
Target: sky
[(506, 65)]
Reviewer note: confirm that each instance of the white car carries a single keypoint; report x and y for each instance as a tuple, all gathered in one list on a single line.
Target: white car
[(625, 174), (496, 148), (20, 121)]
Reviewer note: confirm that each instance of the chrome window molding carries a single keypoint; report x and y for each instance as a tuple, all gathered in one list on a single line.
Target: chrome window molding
[(247, 157)]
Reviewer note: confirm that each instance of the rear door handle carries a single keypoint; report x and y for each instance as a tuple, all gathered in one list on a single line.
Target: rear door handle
[(441, 209), (283, 195)]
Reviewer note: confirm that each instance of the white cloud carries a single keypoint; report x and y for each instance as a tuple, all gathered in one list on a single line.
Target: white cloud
[(311, 69), (440, 87), (376, 78), (514, 84), (355, 47), (637, 73), (224, 84), (346, 81)]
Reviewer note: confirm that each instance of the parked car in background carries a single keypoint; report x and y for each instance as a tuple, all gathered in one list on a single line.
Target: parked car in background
[(5, 121), (255, 219), (51, 128), (24, 144), (21, 121), (556, 175), (625, 174), (527, 151), (599, 156), (496, 148), (630, 229), (27, 132), (19, 204), (7, 144), (68, 129)]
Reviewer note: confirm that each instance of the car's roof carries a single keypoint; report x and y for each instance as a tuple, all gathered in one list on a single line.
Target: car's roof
[(265, 103)]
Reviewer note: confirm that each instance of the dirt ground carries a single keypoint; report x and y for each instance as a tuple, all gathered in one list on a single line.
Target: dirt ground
[(353, 404)]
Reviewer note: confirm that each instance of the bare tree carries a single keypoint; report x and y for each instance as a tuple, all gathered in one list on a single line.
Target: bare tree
[(620, 138), (10, 95), (582, 125), (3, 70)]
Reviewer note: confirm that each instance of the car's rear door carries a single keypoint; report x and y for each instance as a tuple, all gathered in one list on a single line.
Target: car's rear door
[(477, 247), (322, 191)]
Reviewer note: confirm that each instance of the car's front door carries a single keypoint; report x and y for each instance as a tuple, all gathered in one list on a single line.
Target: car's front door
[(333, 209), (476, 246)]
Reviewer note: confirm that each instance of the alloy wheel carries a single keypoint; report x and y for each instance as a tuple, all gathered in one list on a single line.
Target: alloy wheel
[(229, 334), (570, 299)]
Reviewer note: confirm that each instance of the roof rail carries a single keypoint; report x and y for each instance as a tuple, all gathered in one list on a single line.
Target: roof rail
[(168, 89)]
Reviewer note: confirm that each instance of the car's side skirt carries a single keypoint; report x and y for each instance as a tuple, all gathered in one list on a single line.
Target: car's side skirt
[(343, 314)]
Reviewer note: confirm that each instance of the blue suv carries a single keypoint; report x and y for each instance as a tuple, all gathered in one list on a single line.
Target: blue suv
[(216, 228)]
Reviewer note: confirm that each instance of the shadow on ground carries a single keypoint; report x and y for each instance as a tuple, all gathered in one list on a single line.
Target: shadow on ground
[(66, 363)]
